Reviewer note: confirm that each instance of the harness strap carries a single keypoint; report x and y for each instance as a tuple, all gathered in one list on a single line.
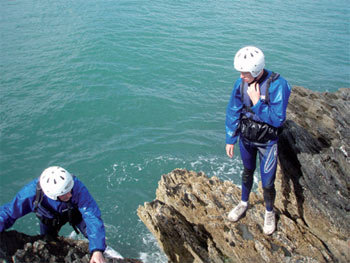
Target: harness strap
[(272, 78), (38, 197), (74, 216)]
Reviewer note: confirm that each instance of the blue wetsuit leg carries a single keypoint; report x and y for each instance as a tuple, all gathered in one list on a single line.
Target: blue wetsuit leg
[(44, 229), (268, 165), (49, 230), (248, 155)]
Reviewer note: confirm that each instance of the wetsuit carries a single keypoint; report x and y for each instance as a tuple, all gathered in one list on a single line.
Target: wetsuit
[(256, 126), (87, 215)]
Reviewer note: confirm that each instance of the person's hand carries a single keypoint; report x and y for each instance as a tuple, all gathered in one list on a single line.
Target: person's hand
[(254, 92), (97, 257), (229, 150)]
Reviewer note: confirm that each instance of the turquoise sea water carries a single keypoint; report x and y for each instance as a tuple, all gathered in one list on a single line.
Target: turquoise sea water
[(120, 92)]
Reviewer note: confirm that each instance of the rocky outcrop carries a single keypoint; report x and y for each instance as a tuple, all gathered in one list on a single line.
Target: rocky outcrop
[(314, 157), (18, 247), (189, 214)]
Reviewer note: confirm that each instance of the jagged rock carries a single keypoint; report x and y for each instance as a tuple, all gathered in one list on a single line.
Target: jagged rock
[(18, 247), (314, 156), (189, 218), (189, 215)]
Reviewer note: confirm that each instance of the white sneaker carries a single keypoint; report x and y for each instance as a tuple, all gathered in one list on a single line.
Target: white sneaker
[(237, 212), (269, 223)]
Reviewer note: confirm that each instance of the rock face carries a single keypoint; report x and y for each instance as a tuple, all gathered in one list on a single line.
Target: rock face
[(18, 247), (189, 214)]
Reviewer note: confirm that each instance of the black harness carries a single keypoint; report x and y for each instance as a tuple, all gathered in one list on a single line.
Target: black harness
[(252, 129), (71, 214)]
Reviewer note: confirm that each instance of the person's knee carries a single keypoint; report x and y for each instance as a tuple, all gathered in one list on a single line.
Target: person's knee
[(247, 175), (269, 192), (48, 230)]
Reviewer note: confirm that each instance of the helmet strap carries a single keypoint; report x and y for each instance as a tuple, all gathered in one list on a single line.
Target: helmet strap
[(259, 77)]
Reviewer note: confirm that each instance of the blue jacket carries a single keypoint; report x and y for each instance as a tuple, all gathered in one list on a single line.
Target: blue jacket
[(23, 203), (272, 113)]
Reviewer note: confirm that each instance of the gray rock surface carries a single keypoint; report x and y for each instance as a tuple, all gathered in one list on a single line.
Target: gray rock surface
[(18, 247), (189, 215)]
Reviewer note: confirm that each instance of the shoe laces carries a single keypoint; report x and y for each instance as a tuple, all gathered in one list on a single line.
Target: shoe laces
[(269, 218), (241, 208)]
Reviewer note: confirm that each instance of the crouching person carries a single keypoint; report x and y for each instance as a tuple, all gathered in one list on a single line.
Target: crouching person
[(58, 198)]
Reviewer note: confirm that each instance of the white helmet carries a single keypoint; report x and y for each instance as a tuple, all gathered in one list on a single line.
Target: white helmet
[(249, 59), (56, 181)]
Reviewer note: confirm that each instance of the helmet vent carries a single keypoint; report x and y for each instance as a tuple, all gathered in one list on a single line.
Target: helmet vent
[(245, 56), (55, 181), (251, 54)]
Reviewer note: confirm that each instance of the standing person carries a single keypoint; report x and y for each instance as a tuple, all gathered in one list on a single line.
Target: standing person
[(57, 197), (257, 108)]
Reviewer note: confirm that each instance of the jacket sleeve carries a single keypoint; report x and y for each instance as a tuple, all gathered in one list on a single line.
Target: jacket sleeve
[(92, 216), (274, 112), (233, 113), (21, 205)]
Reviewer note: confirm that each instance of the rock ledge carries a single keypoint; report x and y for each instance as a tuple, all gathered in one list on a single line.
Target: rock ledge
[(18, 247), (189, 215)]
